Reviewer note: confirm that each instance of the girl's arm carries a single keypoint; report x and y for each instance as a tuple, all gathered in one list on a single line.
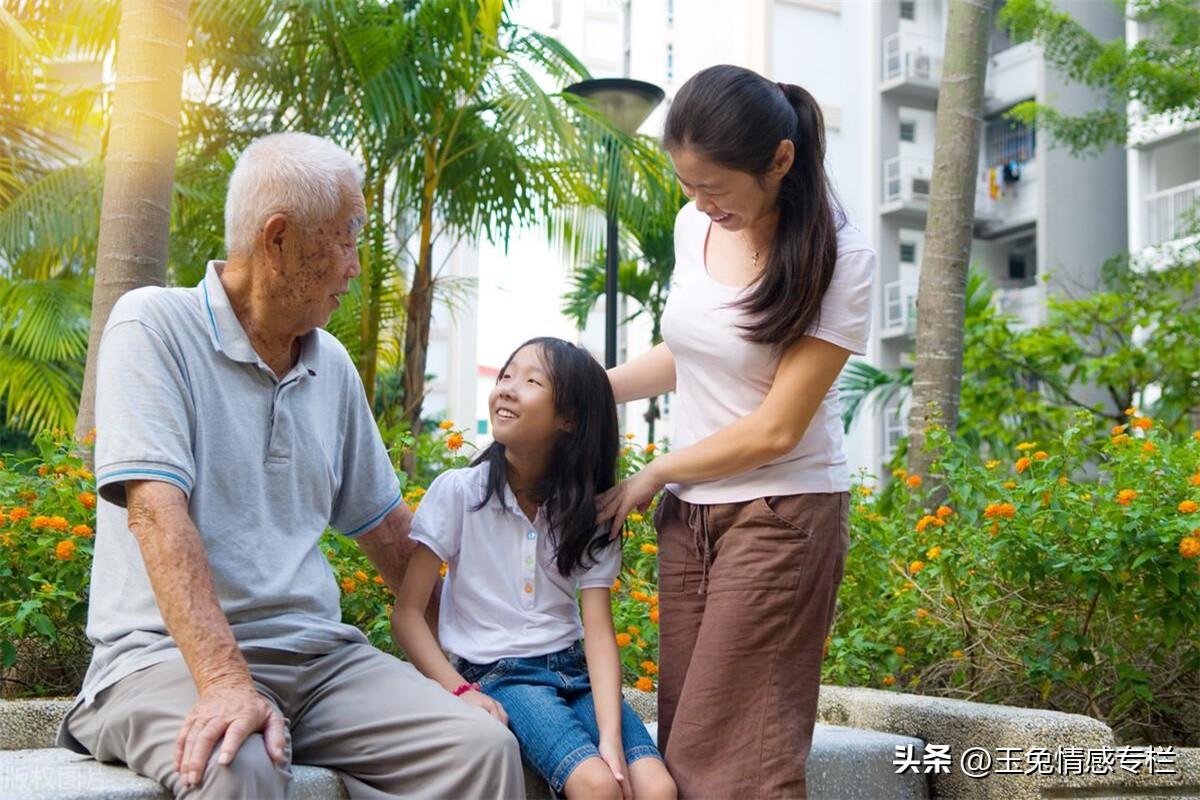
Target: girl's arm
[(412, 632), (806, 371), (649, 375), (604, 672)]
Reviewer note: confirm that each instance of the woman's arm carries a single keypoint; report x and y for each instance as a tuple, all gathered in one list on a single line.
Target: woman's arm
[(806, 371), (413, 634), (604, 672), (649, 375)]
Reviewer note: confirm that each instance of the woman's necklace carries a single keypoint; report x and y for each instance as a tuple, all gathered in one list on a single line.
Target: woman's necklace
[(754, 252)]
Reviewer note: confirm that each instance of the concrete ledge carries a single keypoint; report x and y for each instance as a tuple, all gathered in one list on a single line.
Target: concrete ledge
[(962, 725)]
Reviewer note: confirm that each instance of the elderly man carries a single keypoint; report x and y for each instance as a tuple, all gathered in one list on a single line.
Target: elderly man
[(231, 430)]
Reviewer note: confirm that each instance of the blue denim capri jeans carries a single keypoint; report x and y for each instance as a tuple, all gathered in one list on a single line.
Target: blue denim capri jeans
[(550, 710)]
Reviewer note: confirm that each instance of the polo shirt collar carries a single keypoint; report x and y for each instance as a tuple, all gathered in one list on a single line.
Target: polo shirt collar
[(506, 500), (226, 331)]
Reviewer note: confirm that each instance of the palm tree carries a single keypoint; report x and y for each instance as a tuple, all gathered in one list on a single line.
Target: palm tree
[(52, 114), (139, 166), (937, 377)]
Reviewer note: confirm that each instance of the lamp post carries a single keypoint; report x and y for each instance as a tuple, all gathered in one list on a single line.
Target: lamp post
[(626, 104)]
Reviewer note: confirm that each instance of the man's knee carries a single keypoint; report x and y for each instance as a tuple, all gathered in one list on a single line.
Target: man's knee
[(251, 774), (488, 741)]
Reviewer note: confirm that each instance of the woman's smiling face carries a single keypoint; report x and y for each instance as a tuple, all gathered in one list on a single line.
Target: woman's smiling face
[(731, 198), (521, 404)]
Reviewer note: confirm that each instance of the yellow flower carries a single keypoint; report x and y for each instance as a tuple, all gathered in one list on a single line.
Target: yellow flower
[(1121, 438), (902, 474), (1040, 455), (913, 481), (933, 552), (47, 588), (629, 436), (900, 651), (1009, 484), (443, 569), (1126, 496), (649, 667), (624, 640), (1189, 547), (992, 464), (635, 517), (446, 424), (1062, 480), (1022, 464), (888, 680), (1196, 435), (641, 642), (1131, 411), (865, 491), (1188, 507), (65, 550), (1023, 446), (950, 601), (916, 567), (956, 654), (454, 441), (649, 548), (644, 684)]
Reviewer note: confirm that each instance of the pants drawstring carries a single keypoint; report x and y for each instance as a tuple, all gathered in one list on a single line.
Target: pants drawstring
[(698, 513)]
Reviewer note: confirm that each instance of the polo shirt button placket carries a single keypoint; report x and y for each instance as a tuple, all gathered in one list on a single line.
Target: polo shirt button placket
[(528, 554)]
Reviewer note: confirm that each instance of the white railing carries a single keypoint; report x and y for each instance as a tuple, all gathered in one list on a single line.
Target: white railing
[(906, 179), (1026, 303), (913, 57), (895, 427), (1172, 213), (899, 309)]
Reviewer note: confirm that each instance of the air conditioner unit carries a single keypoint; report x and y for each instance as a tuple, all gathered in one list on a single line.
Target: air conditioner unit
[(922, 66), (920, 187)]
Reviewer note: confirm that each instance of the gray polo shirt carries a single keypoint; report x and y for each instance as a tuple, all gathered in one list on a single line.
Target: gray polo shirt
[(266, 465)]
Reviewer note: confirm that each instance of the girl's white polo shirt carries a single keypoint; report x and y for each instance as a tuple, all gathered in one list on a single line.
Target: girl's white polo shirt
[(503, 596)]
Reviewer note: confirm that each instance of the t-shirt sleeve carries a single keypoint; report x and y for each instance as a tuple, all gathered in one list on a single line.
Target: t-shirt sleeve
[(438, 522), (145, 417), (369, 488), (604, 571), (846, 308)]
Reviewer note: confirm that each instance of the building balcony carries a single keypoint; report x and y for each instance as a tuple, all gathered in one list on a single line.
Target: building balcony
[(1006, 197), (906, 183), (1172, 213), (912, 67), (899, 310), (1027, 304)]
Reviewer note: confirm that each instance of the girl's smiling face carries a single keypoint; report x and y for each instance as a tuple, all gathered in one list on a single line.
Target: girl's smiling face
[(521, 404)]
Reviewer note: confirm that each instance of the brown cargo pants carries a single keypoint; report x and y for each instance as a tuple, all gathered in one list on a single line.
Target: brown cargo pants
[(747, 597)]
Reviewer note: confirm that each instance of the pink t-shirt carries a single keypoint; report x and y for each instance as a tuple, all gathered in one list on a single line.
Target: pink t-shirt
[(720, 377)]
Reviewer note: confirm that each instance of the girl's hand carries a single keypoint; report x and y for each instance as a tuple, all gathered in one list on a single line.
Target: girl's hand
[(636, 491), (481, 700), (613, 754)]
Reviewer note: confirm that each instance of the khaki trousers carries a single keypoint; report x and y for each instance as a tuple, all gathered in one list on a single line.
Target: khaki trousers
[(747, 597), (385, 728)]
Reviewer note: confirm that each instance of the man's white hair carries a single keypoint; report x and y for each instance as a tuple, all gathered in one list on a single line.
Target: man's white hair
[(296, 174)]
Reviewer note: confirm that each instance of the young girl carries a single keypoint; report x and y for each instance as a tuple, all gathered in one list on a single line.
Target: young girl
[(518, 529)]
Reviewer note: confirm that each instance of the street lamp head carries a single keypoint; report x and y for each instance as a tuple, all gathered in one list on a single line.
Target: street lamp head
[(626, 103)]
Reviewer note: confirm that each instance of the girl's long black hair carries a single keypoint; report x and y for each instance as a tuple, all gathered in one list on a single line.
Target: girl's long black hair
[(584, 460), (737, 118)]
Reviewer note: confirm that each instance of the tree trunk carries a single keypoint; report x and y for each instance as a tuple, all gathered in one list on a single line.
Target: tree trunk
[(139, 167), (373, 275), (419, 307), (941, 294)]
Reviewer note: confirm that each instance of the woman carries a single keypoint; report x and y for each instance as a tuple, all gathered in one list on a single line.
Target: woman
[(770, 296)]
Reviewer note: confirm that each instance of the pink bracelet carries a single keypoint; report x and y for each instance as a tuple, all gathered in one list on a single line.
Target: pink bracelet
[(466, 687)]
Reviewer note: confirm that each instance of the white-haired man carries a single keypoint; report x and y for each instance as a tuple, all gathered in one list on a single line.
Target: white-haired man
[(231, 431)]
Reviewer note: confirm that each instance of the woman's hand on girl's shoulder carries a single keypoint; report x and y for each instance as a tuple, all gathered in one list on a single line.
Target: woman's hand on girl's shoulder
[(481, 700), (636, 491)]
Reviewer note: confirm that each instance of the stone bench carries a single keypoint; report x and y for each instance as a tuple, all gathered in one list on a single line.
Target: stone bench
[(845, 763)]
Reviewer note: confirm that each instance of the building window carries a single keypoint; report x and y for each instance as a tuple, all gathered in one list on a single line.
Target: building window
[(1018, 267), (1008, 141), (908, 131), (908, 253), (908, 9)]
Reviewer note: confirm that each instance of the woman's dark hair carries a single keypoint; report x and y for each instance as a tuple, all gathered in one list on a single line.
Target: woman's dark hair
[(584, 460), (736, 118)]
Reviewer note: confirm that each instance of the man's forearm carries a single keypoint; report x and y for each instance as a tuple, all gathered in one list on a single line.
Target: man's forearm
[(183, 586)]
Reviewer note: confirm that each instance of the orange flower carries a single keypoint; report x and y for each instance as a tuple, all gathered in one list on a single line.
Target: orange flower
[(1126, 496), (997, 510), (1023, 464), (65, 550), (634, 630), (616, 586), (654, 599), (43, 470), (900, 651), (1195, 479), (446, 424), (1118, 429), (913, 481), (641, 642), (378, 580), (58, 524), (944, 511), (19, 513), (1188, 507), (1148, 447), (916, 567), (654, 615), (644, 684), (641, 597), (82, 531), (1143, 423), (650, 448), (649, 548), (454, 441), (3, 519), (348, 585), (925, 521), (933, 552), (1189, 547), (361, 576), (888, 680), (87, 499), (624, 640), (443, 569), (1040, 455), (649, 667), (922, 613)]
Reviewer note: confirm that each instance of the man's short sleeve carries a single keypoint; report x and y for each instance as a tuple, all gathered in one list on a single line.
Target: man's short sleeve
[(438, 522), (369, 489), (846, 308), (604, 571), (145, 417)]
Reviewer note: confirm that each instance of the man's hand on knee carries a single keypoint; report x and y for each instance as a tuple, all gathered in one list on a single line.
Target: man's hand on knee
[(231, 713)]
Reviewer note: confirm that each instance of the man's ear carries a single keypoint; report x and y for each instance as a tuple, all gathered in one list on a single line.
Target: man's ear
[(272, 239)]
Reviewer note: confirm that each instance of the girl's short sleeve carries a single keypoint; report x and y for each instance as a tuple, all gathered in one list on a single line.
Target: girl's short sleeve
[(604, 571), (438, 521), (846, 308)]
